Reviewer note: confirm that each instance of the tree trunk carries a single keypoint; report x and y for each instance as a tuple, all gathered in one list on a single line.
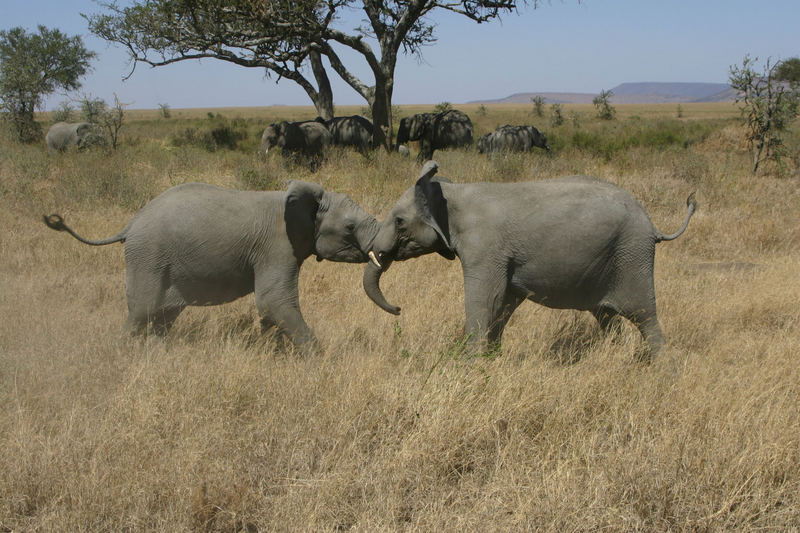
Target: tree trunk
[(323, 100), (382, 112)]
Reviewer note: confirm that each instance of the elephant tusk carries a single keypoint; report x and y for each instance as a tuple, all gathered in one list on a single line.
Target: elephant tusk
[(374, 259)]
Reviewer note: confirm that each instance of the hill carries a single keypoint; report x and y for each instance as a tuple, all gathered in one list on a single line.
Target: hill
[(633, 93)]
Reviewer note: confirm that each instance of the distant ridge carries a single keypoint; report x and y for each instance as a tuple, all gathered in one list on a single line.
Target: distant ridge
[(633, 93)]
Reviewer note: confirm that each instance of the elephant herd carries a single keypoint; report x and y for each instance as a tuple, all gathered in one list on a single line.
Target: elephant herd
[(309, 139), (434, 131), (571, 243)]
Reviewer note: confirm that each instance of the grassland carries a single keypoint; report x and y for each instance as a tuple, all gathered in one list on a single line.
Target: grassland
[(389, 428)]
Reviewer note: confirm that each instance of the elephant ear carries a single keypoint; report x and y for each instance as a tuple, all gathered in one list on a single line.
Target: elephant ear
[(432, 205), (302, 204)]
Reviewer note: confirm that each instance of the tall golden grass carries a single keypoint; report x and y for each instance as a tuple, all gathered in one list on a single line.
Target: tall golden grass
[(390, 427)]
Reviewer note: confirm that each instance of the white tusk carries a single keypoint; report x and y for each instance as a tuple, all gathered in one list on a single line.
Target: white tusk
[(374, 259)]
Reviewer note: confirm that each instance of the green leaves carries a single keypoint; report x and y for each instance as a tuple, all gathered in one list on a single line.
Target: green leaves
[(33, 65)]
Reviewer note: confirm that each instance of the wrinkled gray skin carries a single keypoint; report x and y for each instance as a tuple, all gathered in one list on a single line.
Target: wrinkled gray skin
[(308, 139), (354, 131), (512, 139), (62, 135), (571, 243), (435, 131), (198, 245)]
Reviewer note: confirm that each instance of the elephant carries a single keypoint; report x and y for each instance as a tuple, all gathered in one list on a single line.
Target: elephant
[(62, 135), (355, 131), (435, 131), (308, 139), (513, 139), (198, 245), (576, 242)]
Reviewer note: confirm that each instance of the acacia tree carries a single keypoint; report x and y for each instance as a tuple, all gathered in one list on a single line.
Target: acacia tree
[(788, 70), (768, 106), (287, 36), (34, 65)]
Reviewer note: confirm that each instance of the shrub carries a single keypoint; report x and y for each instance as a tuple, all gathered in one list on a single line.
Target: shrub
[(538, 105), (443, 107), (92, 108), (768, 107), (63, 113), (603, 105), (556, 115), (217, 133)]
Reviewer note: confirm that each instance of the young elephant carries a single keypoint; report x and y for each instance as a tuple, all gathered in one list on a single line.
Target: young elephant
[(309, 138), (569, 243), (197, 244), (513, 139), (63, 135)]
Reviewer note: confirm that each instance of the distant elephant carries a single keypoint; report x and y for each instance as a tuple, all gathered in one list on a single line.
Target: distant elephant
[(570, 243), (308, 139), (355, 131), (512, 139), (62, 135), (199, 245), (435, 131)]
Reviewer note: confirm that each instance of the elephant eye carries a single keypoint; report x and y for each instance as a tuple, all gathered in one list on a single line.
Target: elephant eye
[(350, 226), (399, 222)]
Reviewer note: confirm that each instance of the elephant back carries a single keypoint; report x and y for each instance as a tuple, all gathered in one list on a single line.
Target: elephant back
[(354, 130), (452, 129)]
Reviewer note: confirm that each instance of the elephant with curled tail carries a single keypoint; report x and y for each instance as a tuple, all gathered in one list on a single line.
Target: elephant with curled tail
[(513, 139), (199, 245), (570, 243), (436, 131)]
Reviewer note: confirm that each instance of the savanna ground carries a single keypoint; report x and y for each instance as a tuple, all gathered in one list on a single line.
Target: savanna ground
[(391, 427)]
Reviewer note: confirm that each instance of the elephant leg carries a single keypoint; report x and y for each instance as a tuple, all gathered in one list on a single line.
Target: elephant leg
[(278, 305), (510, 304), (163, 320), (651, 331), (487, 307), (605, 318), (145, 294), (640, 308)]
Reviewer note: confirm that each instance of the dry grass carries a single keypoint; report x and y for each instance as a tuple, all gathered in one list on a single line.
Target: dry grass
[(219, 429)]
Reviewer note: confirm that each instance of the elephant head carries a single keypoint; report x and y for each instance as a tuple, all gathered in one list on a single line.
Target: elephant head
[(342, 231), (417, 225), (538, 138), (269, 139)]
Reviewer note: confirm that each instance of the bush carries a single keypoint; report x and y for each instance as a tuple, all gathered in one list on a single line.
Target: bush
[(557, 116), (538, 105), (92, 109), (443, 107), (217, 133), (602, 103), (63, 113)]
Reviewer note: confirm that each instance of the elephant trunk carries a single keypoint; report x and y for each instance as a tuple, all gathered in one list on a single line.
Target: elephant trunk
[(372, 277)]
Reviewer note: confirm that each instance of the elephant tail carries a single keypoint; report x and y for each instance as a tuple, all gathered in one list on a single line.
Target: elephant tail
[(691, 204), (56, 222)]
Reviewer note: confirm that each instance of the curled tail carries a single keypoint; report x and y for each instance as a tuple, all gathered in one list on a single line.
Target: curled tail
[(691, 204), (57, 223)]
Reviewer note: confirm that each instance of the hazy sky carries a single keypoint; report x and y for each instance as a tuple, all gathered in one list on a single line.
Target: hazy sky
[(562, 46)]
